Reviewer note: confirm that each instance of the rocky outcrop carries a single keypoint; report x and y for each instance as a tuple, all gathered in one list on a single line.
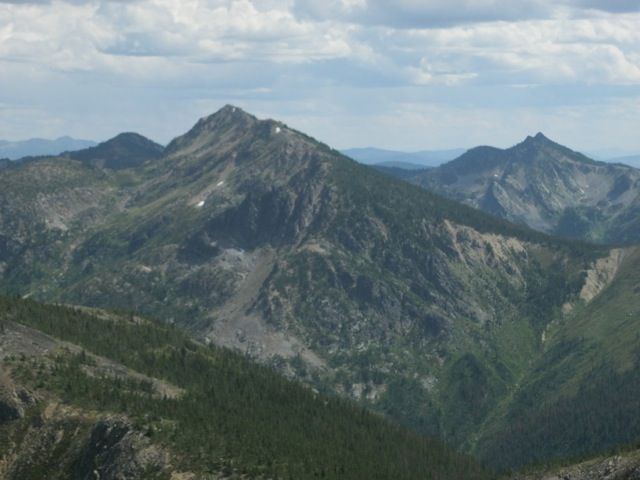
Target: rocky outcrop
[(14, 400), (601, 274), (115, 451), (13, 404), (57, 441), (624, 466), (42, 438)]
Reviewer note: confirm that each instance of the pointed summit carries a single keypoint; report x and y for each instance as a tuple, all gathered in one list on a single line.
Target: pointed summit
[(540, 136), (229, 118), (537, 140), (541, 147), (227, 114)]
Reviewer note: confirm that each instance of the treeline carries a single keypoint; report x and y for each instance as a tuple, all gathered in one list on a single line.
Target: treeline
[(232, 416)]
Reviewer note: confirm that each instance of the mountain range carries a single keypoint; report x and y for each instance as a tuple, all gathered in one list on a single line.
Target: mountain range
[(513, 345), (40, 146), (408, 160)]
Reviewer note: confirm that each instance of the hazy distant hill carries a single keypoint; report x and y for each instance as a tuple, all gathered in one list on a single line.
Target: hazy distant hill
[(391, 158), (40, 146), (616, 155), (632, 160), (508, 343), (125, 150)]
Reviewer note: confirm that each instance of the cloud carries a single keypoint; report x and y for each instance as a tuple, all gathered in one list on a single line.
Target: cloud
[(356, 59), (123, 38), (218, 31), (101, 36), (531, 52)]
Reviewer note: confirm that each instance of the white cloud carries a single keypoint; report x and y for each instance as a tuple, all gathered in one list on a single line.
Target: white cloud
[(233, 31), (364, 60), (598, 51)]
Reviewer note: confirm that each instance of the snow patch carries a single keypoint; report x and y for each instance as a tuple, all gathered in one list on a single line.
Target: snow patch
[(278, 129), (220, 184), (200, 203)]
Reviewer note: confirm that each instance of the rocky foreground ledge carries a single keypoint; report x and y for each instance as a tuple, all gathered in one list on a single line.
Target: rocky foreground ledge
[(623, 466)]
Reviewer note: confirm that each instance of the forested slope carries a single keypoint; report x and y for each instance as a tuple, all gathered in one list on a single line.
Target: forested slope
[(217, 413)]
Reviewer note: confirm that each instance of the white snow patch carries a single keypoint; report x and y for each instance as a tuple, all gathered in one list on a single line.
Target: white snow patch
[(200, 203), (220, 183), (278, 129)]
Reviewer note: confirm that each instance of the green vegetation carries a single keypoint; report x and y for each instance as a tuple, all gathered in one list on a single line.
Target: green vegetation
[(580, 397), (231, 416), (444, 319), (545, 423)]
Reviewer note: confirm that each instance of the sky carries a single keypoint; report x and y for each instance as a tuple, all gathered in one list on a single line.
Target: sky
[(405, 74)]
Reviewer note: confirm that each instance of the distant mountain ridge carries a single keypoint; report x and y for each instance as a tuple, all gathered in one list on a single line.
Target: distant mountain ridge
[(391, 158), (631, 160), (125, 150), (545, 186), (40, 146)]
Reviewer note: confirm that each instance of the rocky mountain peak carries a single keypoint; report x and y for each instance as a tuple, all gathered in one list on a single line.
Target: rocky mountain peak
[(227, 115), (226, 122), (538, 137), (543, 185), (538, 141)]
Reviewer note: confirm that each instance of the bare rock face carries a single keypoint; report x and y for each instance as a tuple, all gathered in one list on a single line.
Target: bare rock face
[(13, 400), (40, 438), (14, 407), (115, 451), (9, 411), (60, 441)]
